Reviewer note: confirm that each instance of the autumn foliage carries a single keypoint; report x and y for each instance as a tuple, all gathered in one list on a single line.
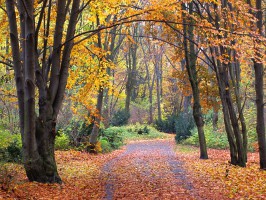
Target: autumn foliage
[(76, 67)]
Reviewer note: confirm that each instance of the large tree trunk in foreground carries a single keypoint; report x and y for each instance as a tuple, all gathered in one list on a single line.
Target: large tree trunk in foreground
[(260, 113), (38, 132), (43, 168), (259, 72)]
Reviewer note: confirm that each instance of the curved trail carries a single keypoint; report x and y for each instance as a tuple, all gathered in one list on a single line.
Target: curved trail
[(147, 170)]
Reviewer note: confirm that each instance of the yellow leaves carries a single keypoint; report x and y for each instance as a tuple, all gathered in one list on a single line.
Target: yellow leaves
[(80, 171), (226, 181), (89, 73), (130, 38)]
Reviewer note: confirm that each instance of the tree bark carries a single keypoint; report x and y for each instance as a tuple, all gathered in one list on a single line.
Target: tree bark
[(191, 59), (158, 84), (38, 132), (259, 73), (131, 70), (150, 83), (97, 121), (18, 69), (96, 126), (236, 138)]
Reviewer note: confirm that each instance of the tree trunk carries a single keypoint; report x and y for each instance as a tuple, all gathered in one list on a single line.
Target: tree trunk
[(259, 72), (158, 90), (191, 59), (106, 109), (38, 133), (258, 67), (97, 121), (150, 83), (234, 135), (235, 79), (187, 103), (18, 66), (215, 119), (42, 167), (131, 73), (237, 152)]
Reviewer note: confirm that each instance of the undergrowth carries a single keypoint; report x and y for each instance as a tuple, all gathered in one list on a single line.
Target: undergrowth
[(114, 137)]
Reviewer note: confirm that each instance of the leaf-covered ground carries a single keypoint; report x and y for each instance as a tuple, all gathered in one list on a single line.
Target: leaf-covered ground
[(147, 170), (80, 172), (142, 170), (215, 178)]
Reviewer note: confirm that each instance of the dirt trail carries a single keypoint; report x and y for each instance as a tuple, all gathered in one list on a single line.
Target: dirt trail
[(147, 170)]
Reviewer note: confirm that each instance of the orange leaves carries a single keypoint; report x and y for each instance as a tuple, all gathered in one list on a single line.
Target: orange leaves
[(147, 171), (81, 174), (224, 180)]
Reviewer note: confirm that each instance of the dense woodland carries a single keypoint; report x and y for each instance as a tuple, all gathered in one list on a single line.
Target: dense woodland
[(74, 74)]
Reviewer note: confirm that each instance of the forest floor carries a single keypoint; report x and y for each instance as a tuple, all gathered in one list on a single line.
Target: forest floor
[(153, 169)]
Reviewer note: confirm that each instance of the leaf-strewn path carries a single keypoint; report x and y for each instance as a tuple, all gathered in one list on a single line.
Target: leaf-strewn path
[(141, 170), (147, 170)]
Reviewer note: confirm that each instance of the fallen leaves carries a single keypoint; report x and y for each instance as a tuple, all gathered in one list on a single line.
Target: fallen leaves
[(217, 179), (145, 170), (79, 171)]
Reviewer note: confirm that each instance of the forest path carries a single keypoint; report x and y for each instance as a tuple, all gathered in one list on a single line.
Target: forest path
[(147, 170)]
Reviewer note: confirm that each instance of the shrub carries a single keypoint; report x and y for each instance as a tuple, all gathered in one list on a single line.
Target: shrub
[(138, 131), (113, 136), (14, 151), (62, 141), (10, 147), (166, 125), (214, 139), (183, 126), (77, 130), (142, 130), (120, 118), (106, 146)]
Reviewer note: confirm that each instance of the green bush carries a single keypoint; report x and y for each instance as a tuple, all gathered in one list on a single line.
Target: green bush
[(138, 131), (218, 138), (141, 130), (250, 118), (120, 118), (62, 141), (77, 131), (10, 147), (14, 151), (105, 145), (113, 136), (166, 125), (183, 126), (214, 139)]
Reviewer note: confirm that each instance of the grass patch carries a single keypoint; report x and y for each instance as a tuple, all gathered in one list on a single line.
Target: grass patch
[(184, 148), (141, 132), (114, 137)]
